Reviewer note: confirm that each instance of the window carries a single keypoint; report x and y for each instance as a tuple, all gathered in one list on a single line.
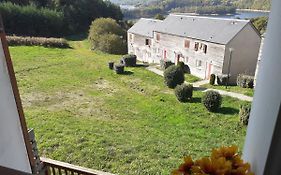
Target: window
[(158, 37), (196, 46), (205, 48), (186, 59), (131, 36), (198, 63), (147, 42), (186, 43)]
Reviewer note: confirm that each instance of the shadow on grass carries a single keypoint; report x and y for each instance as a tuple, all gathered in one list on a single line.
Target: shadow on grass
[(196, 100), (128, 73), (228, 111), (199, 89), (141, 65)]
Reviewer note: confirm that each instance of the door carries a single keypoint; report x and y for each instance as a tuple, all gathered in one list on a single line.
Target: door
[(209, 70)]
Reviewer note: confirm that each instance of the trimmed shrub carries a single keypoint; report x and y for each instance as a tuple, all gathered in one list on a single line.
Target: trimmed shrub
[(245, 81), (222, 79), (212, 101), (173, 76), (212, 79), (184, 92), (119, 68), (111, 65), (129, 60), (181, 65), (37, 41), (244, 113)]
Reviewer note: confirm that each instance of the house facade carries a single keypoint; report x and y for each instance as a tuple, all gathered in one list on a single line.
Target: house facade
[(206, 45)]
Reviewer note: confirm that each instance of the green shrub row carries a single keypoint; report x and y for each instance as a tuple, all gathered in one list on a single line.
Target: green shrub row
[(31, 21), (37, 41), (245, 81)]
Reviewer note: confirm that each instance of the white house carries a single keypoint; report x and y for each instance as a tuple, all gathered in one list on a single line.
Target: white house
[(207, 45)]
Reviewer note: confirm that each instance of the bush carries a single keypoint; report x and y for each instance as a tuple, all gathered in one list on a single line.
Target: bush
[(37, 41), (32, 21), (181, 65), (111, 65), (184, 92), (173, 76), (245, 81), (244, 113), (212, 79), (222, 79), (129, 60), (165, 64), (119, 68), (108, 36), (212, 101)]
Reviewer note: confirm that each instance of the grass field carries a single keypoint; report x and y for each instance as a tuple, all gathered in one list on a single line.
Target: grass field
[(85, 114), (237, 89)]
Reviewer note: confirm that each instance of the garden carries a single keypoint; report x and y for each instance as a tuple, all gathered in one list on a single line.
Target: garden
[(132, 123)]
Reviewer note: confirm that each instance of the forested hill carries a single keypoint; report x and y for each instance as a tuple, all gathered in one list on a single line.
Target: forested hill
[(249, 4)]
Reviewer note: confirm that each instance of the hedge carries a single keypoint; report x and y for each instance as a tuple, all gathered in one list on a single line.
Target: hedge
[(31, 21), (245, 81), (37, 41), (244, 113), (129, 60)]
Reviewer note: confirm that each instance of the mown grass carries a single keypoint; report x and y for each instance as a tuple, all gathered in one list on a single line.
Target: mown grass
[(191, 78), (236, 89), (85, 114)]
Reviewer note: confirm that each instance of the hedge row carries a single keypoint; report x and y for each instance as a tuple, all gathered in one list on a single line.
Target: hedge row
[(31, 21), (37, 41)]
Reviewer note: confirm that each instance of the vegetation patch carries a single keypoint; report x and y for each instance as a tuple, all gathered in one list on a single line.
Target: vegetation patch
[(87, 115), (173, 76), (37, 41)]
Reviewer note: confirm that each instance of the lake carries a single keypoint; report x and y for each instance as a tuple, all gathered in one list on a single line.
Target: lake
[(242, 14)]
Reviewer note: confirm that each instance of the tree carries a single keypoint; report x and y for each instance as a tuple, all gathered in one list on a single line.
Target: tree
[(108, 36), (159, 16)]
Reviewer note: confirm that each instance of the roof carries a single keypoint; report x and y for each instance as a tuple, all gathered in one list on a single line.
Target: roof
[(145, 27), (216, 30)]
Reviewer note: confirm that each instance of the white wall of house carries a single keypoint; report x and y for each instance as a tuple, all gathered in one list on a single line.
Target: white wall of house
[(245, 53), (137, 45), (13, 153), (201, 64)]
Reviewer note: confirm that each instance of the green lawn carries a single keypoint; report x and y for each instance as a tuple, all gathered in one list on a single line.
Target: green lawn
[(237, 89), (85, 114), (191, 78)]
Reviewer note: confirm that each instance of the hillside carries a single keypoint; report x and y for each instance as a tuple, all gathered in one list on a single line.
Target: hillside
[(249, 4)]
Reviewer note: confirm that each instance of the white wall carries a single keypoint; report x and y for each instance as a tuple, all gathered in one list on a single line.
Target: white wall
[(13, 152)]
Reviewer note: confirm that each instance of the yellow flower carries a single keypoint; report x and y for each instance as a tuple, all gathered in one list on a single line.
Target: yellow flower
[(184, 168), (227, 152)]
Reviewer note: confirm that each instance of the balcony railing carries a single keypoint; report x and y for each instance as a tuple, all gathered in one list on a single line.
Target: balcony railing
[(53, 167)]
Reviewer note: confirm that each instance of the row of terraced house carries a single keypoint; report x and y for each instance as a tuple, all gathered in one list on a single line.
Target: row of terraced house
[(206, 45)]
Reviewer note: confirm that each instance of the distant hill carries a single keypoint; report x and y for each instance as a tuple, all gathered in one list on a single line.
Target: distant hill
[(249, 4)]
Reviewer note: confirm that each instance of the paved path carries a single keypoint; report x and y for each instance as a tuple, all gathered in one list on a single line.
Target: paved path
[(200, 83)]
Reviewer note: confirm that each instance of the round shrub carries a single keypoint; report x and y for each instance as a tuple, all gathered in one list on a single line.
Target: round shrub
[(212, 101), (167, 64), (181, 65), (129, 60), (119, 68), (111, 65), (173, 76), (212, 79), (184, 92), (244, 113)]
